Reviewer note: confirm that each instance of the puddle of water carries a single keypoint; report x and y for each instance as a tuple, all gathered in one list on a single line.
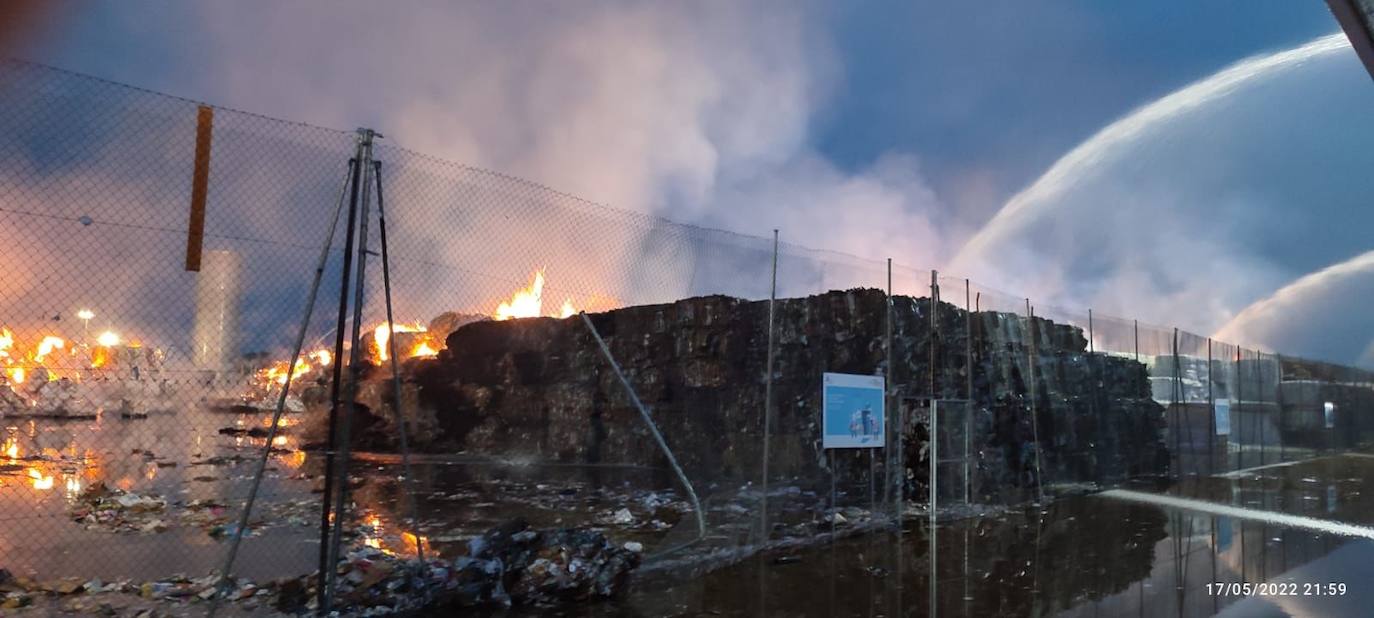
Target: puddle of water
[(1078, 557), (1085, 556), (46, 465), (1329, 488)]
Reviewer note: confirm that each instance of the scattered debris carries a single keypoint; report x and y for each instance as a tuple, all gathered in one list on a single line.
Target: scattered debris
[(114, 510), (510, 565), (514, 565), (252, 432)]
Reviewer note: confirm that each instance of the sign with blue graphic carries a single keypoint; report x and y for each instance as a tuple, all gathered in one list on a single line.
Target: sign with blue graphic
[(853, 414)]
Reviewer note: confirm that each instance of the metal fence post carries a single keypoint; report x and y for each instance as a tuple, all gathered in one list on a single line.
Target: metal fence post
[(355, 375), (1175, 395), (244, 516), (1031, 353), (934, 445), (401, 429), (1212, 414), (653, 429), (335, 393), (934, 393), (896, 464), (1236, 431), (768, 388), (934, 331), (968, 397), (1092, 349), (932, 531)]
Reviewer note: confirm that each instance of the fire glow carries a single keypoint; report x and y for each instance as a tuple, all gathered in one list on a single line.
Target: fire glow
[(276, 372), (528, 302), (50, 357), (381, 337), (18, 367), (47, 346), (40, 481)]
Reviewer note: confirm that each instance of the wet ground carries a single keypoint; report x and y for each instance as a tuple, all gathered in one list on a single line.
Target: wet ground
[(1303, 528), (1091, 555), (199, 474)]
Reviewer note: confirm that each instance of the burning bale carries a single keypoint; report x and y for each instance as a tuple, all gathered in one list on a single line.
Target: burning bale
[(540, 388), (58, 380), (375, 424), (414, 343)]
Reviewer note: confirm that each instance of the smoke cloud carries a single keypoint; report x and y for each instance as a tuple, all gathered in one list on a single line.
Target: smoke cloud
[(1183, 212), (682, 110), (699, 113)]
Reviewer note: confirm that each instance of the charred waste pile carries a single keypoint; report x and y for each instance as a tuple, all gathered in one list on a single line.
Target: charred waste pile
[(540, 389)]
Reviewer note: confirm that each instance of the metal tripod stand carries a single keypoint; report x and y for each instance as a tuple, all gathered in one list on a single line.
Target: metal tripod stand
[(364, 173)]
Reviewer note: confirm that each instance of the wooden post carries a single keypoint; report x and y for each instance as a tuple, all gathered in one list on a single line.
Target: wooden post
[(200, 187)]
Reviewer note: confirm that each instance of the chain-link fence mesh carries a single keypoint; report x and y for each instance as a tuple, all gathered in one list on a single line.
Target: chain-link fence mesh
[(138, 394), (130, 382)]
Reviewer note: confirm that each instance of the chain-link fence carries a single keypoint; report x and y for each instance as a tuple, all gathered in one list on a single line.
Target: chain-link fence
[(160, 260)]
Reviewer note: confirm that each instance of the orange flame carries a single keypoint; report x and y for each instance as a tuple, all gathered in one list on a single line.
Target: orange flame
[(382, 335), (276, 372), (322, 357), (412, 542), (373, 540), (6, 342), (39, 480), (47, 345), (15, 374), (528, 302)]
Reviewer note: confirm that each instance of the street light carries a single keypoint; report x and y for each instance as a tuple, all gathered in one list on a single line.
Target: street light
[(85, 315)]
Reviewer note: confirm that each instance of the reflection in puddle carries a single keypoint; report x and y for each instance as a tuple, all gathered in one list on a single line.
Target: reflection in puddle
[(49, 469), (1078, 557)]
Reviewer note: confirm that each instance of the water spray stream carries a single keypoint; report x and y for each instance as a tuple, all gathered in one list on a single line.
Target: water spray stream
[(1120, 137)]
